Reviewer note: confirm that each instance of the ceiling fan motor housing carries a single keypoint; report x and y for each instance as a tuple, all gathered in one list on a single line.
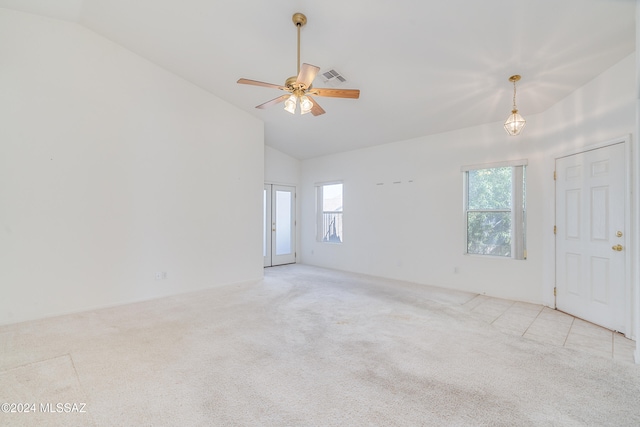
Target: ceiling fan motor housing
[(299, 19)]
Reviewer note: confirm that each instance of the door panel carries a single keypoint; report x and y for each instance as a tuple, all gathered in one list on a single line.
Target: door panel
[(283, 228), (573, 268), (599, 213), (590, 213), (599, 284), (572, 216)]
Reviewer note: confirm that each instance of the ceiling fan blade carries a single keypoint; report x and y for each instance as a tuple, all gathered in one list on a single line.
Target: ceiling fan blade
[(308, 72), (316, 110), (274, 101), (336, 93), (263, 84)]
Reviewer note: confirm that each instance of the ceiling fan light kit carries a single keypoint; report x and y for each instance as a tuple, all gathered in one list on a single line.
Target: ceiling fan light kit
[(515, 123), (300, 87)]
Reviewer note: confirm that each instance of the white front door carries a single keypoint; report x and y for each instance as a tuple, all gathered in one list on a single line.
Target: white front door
[(279, 225), (591, 236)]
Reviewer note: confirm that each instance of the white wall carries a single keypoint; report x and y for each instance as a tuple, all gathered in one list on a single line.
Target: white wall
[(112, 169), (636, 180), (280, 168), (414, 230)]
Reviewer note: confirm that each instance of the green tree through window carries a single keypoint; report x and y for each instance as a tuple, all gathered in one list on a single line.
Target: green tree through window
[(493, 226)]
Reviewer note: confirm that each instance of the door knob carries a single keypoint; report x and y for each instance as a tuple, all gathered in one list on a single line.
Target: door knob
[(617, 248)]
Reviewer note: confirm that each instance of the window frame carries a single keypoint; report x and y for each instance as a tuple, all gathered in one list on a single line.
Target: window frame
[(518, 198)]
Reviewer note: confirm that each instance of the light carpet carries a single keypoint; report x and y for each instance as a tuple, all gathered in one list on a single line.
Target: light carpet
[(305, 347)]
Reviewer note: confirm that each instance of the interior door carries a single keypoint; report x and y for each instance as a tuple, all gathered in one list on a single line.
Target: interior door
[(279, 225), (591, 236)]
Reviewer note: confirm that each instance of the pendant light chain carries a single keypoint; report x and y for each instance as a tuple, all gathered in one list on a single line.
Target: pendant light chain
[(514, 95)]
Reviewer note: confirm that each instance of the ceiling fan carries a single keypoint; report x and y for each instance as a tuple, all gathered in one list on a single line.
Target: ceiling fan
[(299, 88)]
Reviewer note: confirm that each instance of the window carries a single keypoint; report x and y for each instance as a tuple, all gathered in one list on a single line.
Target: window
[(329, 212), (495, 209)]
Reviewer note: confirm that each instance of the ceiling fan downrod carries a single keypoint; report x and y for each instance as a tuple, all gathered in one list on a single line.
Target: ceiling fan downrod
[(299, 20)]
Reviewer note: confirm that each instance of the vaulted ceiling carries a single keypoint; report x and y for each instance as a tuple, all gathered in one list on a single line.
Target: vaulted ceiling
[(423, 67)]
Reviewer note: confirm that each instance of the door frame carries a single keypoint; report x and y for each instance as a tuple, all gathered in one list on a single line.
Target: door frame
[(294, 226), (629, 241), (267, 236)]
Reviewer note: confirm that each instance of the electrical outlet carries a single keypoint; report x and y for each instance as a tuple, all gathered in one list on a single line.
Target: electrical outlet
[(164, 275), (158, 275)]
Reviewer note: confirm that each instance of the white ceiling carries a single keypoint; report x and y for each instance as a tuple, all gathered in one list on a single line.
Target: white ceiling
[(423, 67)]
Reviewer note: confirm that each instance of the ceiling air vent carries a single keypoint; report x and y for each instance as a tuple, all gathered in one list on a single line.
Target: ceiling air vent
[(333, 78)]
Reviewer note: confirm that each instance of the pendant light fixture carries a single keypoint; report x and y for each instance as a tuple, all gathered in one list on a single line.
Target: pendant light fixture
[(515, 123)]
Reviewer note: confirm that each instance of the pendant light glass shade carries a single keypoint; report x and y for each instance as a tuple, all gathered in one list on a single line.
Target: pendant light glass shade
[(515, 123), (290, 104)]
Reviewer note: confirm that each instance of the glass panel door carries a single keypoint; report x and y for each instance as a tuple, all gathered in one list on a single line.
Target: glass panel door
[(279, 225)]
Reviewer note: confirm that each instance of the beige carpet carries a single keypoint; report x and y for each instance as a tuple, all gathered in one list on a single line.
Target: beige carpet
[(304, 347)]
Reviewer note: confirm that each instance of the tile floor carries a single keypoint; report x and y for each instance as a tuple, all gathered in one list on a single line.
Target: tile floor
[(544, 324)]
